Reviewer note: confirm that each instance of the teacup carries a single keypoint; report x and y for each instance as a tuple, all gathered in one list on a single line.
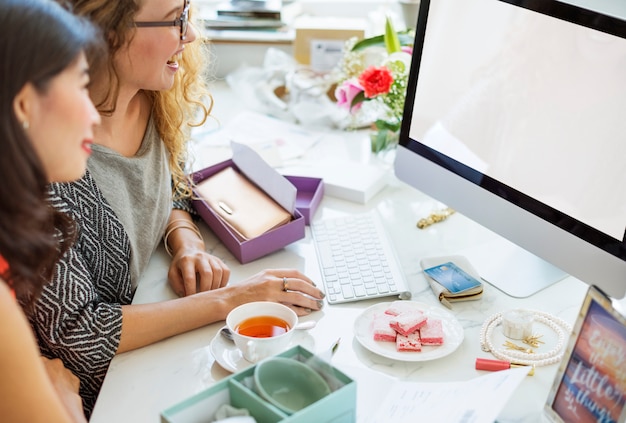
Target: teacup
[(261, 329)]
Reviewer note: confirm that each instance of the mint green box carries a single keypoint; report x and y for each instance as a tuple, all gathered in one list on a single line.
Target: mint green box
[(337, 407)]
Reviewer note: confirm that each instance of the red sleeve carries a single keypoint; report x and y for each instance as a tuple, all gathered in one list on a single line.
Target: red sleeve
[(4, 266)]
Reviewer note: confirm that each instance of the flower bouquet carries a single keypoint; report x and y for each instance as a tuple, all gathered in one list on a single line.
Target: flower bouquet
[(374, 72)]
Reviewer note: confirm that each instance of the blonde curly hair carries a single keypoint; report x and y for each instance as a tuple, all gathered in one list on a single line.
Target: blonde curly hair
[(176, 111), (187, 104)]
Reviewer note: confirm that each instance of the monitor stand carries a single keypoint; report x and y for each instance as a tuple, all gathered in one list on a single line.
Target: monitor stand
[(512, 269)]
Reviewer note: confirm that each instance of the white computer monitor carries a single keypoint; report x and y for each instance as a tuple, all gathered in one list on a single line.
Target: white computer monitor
[(516, 117)]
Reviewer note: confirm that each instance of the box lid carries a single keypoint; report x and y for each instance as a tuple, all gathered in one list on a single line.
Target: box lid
[(251, 164)]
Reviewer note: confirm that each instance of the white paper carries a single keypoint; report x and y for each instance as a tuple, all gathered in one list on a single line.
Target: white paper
[(257, 170), (478, 400), (282, 140)]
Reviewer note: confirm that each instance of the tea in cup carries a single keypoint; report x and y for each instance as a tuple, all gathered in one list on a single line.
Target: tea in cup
[(261, 329)]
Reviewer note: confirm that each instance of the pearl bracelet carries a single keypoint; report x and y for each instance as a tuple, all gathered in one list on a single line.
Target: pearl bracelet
[(558, 325)]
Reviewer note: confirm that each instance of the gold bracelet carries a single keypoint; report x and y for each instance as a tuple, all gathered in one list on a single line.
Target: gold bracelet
[(186, 225), (178, 220)]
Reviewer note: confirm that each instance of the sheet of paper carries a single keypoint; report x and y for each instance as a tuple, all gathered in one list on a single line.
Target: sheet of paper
[(478, 400), (279, 139)]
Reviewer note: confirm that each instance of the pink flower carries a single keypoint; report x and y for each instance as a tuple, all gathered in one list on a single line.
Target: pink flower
[(345, 94), (407, 49), (376, 81)]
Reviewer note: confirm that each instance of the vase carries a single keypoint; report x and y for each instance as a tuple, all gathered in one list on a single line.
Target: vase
[(383, 140)]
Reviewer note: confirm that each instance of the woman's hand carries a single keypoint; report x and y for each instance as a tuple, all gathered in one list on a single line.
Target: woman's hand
[(194, 270), (286, 286)]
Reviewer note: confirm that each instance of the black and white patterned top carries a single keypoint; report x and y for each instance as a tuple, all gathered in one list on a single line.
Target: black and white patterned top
[(121, 207), (79, 315)]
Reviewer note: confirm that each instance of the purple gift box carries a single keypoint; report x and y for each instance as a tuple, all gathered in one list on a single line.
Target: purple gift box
[(309, 195)]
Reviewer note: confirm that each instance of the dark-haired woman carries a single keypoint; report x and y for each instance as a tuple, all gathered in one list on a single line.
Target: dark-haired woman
[(46, 128)]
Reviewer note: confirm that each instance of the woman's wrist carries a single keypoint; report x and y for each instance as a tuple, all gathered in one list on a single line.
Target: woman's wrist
[(177, 225)]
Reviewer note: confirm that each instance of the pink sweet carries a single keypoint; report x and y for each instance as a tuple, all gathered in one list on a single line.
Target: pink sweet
[(398, 307), (381, 329), (432, 332), (409, 343), (408, 322)]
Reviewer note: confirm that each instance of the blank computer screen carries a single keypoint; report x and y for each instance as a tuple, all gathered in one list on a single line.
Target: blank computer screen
[(535, 102)]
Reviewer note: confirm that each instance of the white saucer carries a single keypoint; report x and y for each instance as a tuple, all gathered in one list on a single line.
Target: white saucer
[(229, 357)]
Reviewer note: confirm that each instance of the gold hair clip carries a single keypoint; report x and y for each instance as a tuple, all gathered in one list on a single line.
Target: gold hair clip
[(533, 340), (513, 346)]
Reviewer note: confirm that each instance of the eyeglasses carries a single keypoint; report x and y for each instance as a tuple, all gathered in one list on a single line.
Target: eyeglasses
[(182, 21)]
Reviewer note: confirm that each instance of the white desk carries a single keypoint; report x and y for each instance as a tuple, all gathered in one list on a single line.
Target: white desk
[(142, 383)]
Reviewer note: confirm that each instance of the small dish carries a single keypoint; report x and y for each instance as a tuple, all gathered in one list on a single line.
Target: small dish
[(452, 330), (289, 384), (229, 356)]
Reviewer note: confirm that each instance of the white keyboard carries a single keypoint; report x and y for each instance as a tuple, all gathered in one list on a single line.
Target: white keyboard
[(357, 260)]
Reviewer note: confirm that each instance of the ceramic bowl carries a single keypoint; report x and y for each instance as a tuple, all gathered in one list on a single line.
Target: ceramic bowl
[(289, 384)]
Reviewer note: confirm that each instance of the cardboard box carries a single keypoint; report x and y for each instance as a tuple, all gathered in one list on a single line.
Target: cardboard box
[(236, 390), (307, 194), (323, 29)]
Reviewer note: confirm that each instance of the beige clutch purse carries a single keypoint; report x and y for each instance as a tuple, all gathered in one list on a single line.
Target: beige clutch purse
[(441, 292), (244, 207)]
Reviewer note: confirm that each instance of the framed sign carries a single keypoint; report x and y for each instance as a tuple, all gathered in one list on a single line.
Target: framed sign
[(590, 385)]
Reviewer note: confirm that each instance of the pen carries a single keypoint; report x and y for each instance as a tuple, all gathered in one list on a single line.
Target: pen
[(495, 365)]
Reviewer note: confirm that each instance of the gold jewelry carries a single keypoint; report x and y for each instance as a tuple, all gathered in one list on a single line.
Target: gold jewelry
[(519, 354), (533, 340), (513, 346), (176, 221), (435, 217), (182, 224), (285, 287)]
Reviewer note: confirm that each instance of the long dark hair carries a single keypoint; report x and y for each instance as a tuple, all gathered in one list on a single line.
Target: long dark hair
[(38, 40)]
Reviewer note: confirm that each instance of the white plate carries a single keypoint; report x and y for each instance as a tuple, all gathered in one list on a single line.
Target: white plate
[(229, 357), (452, 332)]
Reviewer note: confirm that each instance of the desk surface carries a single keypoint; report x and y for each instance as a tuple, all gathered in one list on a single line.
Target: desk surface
[(142, 383)]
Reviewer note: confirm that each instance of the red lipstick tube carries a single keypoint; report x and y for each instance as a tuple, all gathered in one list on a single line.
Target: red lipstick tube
[(495, 365)]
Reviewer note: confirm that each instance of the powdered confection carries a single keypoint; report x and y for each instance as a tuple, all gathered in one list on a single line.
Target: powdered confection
[(408, 322), (409, 343), (381, 328), (398, 307), (432, 332)]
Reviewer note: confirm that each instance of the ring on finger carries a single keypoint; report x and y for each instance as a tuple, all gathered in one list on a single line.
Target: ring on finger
[(285, 287)]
